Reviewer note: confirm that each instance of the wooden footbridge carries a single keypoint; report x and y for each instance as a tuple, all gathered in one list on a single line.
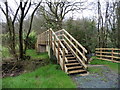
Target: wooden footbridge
[(69, 52)]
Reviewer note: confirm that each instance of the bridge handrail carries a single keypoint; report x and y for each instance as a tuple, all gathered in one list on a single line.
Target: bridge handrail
[(71, 39), (57, 39), (75, 40)]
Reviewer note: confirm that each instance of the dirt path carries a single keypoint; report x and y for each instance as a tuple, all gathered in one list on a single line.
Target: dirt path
[(106, 79)]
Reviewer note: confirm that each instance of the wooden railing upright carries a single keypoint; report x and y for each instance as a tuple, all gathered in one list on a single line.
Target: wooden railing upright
[(74, 46)]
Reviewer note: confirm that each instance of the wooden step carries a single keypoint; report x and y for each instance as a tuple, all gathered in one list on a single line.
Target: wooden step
[(74, 67), (76, 71), (68, 55), (71, 57), (72, 60), (72, 64)]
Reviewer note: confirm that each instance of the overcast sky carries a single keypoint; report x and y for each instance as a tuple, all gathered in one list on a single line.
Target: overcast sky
[(90, 12)]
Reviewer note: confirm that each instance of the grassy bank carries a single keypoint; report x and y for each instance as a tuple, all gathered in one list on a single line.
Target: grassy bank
[(45, 77), (49, 76), (111, 65), (35, 55)]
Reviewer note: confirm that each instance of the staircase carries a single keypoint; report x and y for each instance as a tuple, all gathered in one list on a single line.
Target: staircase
[(69, 52)]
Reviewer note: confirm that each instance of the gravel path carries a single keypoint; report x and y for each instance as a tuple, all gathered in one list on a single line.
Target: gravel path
[(106, 79)]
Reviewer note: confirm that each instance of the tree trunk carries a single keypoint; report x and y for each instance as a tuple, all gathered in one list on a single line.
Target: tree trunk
[(21, 33), (118, 24)]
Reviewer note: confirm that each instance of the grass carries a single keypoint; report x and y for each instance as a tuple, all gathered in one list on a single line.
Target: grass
[(0, 84), (45, 77), (5, 52), (111, 65), (49, 76), (35, 55), (30, 52), (94, 70)]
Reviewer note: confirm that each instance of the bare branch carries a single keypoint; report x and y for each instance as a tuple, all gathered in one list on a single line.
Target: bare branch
[(2, 10), (16, 14), (27, 9)]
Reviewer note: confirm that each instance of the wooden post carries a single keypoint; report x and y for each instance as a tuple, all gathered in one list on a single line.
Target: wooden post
[(63, 59), (77, 48), (112, 54), (83, 58), (50, 38), (58, 52), (100, 52)]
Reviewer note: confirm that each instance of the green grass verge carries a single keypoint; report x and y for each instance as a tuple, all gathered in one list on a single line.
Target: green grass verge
[(113, 66), (35, 55), (29, 52), (45, 77), (0, 83), (95, 70)]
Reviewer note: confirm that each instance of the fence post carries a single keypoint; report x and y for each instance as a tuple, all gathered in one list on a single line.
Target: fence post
[(58, 51), (54, 46), (63, 59), (112, 54), (100, 52), (51, 38)]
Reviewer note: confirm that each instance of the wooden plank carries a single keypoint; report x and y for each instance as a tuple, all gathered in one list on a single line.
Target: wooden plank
[(50, 37), (75, 40), (109, 60), (108, 56), (71, 57), (107, 49), (74, 67), (72, 64), (103, 52), (107, 52), (72, 60), (112, 54), (54, 44), (60, 41), (58, 51), (61, 62), (116, 53), (66, 70), (76, 48), (63, 59), (83, 64), (76, 71)]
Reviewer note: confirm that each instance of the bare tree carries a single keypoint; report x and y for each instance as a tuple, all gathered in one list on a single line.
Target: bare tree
[(10, 27), (55, 11), (118, 24), (23, 8)]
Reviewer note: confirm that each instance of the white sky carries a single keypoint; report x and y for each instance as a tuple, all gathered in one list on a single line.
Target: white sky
[(90, 12)]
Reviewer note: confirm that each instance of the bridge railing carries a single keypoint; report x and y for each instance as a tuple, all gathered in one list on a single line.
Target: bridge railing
[(54, 39), (77, 49), (58, 49)]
